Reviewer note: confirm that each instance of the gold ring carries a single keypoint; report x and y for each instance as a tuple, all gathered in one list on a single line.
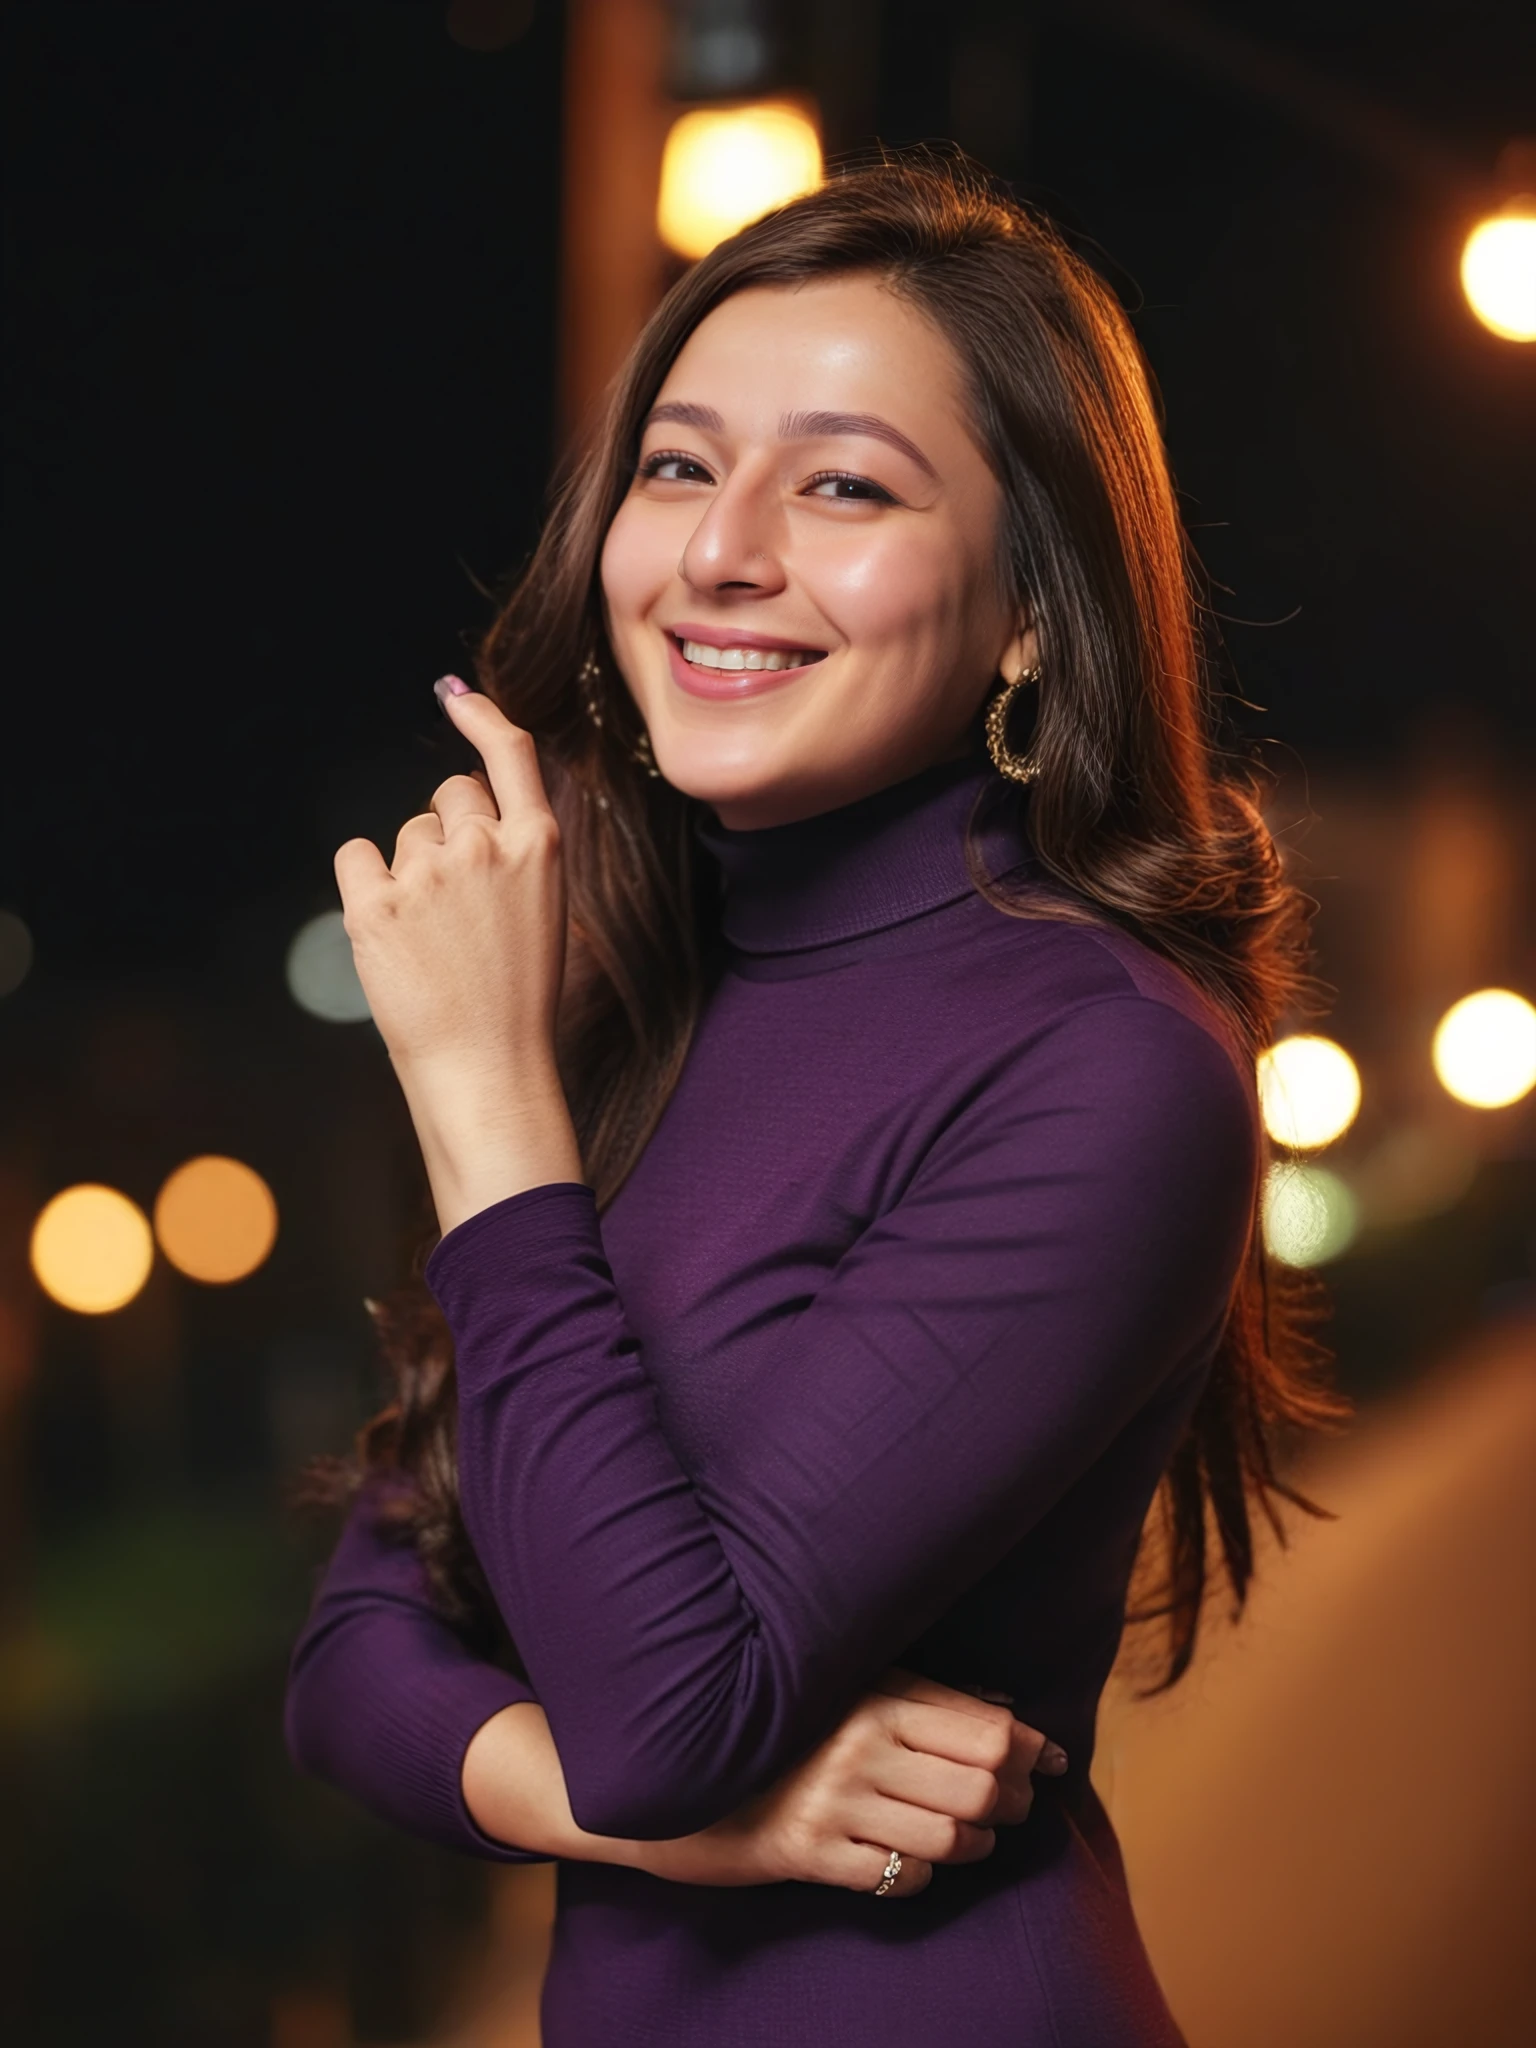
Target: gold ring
[(891, 1873)]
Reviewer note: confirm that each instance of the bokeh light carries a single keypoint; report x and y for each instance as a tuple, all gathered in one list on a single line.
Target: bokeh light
[(1309, 1214), (215, 1219), (15, 952), (723, 167), (1485, 1048), (321, 976), (1498, 271), (92, 1249), (1309, 1091)]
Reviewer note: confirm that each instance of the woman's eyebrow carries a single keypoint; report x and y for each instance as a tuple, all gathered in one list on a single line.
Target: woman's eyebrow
[(797, 426), (801, 426), (682, 414)]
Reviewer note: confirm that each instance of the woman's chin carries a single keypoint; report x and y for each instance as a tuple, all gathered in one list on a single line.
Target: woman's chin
[(729, 781)]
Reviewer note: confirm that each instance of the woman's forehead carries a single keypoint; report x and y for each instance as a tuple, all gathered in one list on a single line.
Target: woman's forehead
[(838, 345), (770, 360)]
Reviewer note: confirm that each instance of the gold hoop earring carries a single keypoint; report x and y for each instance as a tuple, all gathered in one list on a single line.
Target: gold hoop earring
[(640, 752), (1017, 767)]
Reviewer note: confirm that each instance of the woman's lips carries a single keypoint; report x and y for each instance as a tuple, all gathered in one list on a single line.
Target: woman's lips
[(718, 683)]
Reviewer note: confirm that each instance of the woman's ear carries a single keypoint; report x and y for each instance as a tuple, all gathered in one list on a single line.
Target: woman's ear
[(1022, 652)]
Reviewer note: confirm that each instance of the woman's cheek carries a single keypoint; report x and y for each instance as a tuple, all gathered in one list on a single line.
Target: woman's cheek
[(632, 578), (619, 570), (888, 599)]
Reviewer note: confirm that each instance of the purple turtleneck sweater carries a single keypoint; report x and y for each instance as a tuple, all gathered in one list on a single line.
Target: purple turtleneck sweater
[(876, 1358)]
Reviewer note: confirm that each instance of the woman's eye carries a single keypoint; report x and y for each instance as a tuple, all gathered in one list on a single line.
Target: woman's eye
[(836, 483), (672, 468)]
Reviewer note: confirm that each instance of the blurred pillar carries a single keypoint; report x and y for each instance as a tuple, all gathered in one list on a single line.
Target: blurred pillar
[(616, 116), (1460, 923)]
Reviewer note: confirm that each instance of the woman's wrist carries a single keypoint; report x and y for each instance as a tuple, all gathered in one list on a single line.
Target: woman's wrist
[(514, 1792), (732, 1852), (487, 1133)]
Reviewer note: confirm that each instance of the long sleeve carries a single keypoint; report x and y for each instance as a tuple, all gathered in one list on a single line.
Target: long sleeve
[(1064, 1249), (383, 1696)]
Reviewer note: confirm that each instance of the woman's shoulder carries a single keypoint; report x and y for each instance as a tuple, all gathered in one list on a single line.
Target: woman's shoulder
[(1049, 1002), (1049, 959)]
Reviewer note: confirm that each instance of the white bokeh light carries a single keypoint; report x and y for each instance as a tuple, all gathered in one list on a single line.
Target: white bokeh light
[(321, 976), (1310, 1215), (1485, 1049), (1309, 1091)]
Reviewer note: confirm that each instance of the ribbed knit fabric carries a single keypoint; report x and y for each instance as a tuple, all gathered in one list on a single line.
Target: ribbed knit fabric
[(877, 1357), (383, 1697)]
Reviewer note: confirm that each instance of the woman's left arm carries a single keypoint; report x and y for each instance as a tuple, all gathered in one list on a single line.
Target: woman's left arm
[(1066, 1248)]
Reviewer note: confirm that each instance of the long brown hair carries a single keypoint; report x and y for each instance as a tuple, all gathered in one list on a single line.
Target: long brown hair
[(1134, 812)]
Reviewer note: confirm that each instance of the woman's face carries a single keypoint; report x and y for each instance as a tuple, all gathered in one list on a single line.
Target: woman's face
[(801, 586)]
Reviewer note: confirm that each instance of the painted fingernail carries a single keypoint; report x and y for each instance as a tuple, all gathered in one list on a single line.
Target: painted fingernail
[(450, 686), (994, 1698), (1053, 1760)]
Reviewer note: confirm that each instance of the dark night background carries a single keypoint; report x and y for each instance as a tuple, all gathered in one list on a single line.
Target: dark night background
[(280, 345)]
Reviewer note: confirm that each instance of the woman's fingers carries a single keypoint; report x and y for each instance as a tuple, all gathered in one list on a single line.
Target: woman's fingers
[(965, 1792), (461, 797), (511, 760), (917, 1831), (962, 1737), (1026, 1748), (1033, 1751), (976, 1765), (424, 830), (360, 868)]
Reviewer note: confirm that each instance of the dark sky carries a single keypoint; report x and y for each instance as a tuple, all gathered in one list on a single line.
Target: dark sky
[(1356, 453), (279, 343)]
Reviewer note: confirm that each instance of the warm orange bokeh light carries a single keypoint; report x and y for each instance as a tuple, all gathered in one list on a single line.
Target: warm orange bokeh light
[(215, 1219), (1498, 271), (92, 1249), (723, 167)]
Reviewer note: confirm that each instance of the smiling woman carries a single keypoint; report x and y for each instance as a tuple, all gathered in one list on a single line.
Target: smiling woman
[(842, 1122), (858, 539)]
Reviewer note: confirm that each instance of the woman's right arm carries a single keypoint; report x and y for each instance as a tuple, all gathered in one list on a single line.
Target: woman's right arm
[(387, 1703)]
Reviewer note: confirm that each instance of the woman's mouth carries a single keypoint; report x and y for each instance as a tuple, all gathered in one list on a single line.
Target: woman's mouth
[(743, 668), (703, 655)]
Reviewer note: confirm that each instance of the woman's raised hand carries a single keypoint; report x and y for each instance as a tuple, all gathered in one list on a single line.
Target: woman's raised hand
[(459, 943), (915, 1766)]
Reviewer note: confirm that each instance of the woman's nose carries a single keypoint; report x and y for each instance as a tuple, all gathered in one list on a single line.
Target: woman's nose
[(735, 546)]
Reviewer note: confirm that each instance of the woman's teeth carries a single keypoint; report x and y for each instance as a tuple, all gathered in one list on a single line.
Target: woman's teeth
[(705, 656)]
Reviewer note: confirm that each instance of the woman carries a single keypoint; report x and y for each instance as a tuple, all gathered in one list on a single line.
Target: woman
[(838, 1106)]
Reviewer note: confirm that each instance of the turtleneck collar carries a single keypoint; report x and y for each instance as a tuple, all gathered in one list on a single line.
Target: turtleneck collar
[(864, 866)]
